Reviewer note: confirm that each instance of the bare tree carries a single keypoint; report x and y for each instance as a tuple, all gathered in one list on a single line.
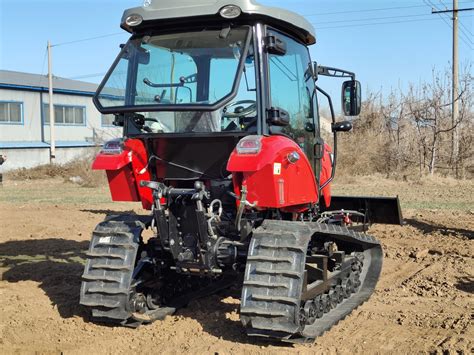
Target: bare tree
[(413, 131)]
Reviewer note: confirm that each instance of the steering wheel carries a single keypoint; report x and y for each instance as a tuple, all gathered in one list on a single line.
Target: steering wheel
[(241, 111), (150, 129), (150, 119)]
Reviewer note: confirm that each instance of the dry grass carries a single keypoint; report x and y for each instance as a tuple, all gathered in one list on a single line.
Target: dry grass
[(78, 172)]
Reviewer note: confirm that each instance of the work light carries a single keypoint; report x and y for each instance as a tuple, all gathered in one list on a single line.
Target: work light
[(134, 20), (230, 11)]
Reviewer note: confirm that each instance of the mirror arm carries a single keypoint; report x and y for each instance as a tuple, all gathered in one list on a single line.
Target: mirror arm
[(333, 117), (335, 72)]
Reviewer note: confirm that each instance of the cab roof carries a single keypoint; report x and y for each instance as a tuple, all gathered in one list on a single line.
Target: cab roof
[(154, 10)]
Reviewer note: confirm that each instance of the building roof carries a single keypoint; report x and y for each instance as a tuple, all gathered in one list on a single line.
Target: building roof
[(36, 82)]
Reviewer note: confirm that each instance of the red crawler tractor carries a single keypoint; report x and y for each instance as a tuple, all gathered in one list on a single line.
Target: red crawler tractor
[(221, 142)]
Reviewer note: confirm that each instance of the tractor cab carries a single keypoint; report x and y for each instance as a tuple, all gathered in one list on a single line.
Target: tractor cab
[(193, 80)]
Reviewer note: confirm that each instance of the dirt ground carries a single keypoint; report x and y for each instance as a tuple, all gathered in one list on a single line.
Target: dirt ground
[(423, 302)]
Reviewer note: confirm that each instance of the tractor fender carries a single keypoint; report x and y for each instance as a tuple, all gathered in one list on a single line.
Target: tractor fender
[(271, 178), (125, 169), (112, 161)]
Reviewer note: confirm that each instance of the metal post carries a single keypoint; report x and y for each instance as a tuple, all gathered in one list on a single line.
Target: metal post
[(52, 156), (455, 113)]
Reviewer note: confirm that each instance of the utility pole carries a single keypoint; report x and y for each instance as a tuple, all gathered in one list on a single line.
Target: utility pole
[(455, 81), (455, 113), (52, 156)]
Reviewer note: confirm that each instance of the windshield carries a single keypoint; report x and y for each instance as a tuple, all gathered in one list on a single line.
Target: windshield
[(185, 82), (175, 70), (239, 115)]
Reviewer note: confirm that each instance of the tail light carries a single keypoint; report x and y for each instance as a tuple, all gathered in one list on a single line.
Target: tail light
[(113, 147), (250, 145)]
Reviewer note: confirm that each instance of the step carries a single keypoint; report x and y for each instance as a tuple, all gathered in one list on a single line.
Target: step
[(275, 259), (111, 267), (266, 284), (101, 303), (105, 255), (88, 277), (280, 299), (287, 273), (108, 290), (263, 312)]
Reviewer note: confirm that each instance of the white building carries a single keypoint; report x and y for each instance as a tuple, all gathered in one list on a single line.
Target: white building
[(24, 119)]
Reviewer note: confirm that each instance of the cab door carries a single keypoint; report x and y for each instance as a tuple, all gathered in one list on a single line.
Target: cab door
[(292, 88)]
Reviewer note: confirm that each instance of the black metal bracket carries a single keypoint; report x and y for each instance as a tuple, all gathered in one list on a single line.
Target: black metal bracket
[(275, 45), (277, 116), (335, 72)]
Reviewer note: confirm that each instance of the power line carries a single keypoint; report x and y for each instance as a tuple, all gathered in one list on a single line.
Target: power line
[(467, 42), (450, 11), (374, 10), (386, 22), (366, 10), (375, 18), (44, 61), (461, 24), (465, 28), (442, 3), (374, 24), (87, 39), (463, 34)]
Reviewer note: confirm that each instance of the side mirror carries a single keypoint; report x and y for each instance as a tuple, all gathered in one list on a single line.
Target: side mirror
[(278, 117), (351, 98), (344, 126)]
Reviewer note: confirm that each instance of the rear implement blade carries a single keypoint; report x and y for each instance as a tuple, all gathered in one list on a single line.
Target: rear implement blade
[(383, 210)]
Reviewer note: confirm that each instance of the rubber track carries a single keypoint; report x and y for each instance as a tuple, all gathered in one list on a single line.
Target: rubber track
[(109, 269), (272, 289)]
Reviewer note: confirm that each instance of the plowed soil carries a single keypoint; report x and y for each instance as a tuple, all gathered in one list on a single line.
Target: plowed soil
[(423, 302)]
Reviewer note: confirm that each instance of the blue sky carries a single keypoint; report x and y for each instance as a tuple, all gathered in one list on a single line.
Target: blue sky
[(384, 55)]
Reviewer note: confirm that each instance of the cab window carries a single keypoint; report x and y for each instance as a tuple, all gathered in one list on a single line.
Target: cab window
[(292, 89)]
